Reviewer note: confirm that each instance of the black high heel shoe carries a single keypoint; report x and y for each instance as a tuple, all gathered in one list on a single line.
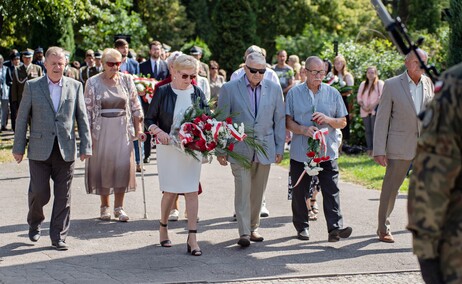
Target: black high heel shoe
[(165, 243), (196, 252)]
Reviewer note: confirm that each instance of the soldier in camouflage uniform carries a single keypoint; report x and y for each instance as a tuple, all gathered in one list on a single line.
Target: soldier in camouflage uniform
[(435, 192)]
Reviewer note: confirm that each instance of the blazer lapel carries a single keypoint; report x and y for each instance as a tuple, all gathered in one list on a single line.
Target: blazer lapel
[(46, 91), (407, 92), (263, 96), (245, 95), (64, 91)]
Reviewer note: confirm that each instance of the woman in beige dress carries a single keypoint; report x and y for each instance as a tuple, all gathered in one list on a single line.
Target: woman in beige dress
[(178, 172), (116, 117)]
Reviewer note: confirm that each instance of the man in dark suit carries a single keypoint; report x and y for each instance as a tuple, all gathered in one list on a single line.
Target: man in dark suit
[(38, 58), (155, 68), (258, 104), (89, 69), (53, 103)]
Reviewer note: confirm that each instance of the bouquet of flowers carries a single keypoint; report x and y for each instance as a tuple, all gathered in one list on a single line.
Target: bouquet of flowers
[(317, 153), (145, 87), (198, 132), (340, 85)]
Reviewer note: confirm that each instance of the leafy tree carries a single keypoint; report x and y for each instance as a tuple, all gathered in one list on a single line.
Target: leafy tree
[(198, 12), (424, 15), (166, 21), (18, 18), (455, 40), (112, 18), (236, 29)]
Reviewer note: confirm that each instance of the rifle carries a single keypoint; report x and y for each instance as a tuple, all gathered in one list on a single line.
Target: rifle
[(399, 36)]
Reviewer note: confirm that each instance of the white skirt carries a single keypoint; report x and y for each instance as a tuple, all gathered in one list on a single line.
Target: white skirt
[(178, 172)]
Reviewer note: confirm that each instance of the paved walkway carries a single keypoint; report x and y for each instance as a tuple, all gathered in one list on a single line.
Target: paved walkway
[(113, 252)]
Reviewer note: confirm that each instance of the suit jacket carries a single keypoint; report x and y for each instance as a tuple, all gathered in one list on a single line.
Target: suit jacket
[(397, 126), (4, 88), (46, 124), (20, 75), (133, 67), (268, 128), (162, 70), (87, 72)]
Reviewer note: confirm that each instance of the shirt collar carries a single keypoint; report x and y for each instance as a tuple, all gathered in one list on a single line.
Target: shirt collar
[(409, 80), (247, 83), (60, 83)]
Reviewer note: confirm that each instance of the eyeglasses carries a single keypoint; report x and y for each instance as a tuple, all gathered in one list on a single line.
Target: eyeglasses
[(316, 72), (255, 70), (185, 76), (213, 68), (111, 64)]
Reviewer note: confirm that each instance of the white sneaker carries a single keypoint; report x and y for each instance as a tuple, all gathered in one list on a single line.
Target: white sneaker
[(264, 211), (174, 215)]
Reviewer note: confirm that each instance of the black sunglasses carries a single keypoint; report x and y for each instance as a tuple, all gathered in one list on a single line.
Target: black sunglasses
[(254, 70), (185, 76)]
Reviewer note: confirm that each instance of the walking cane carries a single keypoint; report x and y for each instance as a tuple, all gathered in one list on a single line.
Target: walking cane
[(141, 140)]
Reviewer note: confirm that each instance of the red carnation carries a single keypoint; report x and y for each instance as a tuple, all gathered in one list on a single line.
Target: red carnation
[(212, 145), (201, 145), (204, 117), (317, 160), (208, 126), (229, 120), (197, 120), (325, 158), (311, 154), (231, 147)]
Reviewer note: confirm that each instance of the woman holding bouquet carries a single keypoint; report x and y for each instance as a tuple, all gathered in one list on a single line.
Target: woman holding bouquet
[(369, 93), (345, 80), (115, 116), (165, 113)]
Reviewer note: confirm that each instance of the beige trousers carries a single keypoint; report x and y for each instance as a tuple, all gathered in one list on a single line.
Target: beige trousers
[(394, 176), (250, 185)]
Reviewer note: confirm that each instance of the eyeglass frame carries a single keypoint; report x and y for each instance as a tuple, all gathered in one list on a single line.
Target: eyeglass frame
[(318, 72), (111, 64), (255, 70)]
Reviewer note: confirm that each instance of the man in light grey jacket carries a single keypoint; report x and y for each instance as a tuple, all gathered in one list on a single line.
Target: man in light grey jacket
[(53, 103), (258, 104)]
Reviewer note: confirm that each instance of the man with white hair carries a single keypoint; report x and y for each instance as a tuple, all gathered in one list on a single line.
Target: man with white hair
[(269, 74), (258, 104)]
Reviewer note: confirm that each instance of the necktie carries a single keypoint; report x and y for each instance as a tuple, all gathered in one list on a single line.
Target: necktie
[(255, 97), (155, 69)]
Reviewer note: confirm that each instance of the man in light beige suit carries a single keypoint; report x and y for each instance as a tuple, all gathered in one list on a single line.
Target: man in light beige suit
[(396, 131)]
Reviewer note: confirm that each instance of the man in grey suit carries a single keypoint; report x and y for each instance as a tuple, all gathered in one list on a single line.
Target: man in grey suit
[(396, 131), (258, 104), (53, 103)]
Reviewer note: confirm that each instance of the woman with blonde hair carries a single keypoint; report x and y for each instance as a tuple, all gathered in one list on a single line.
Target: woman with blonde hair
[(115, 117), (345, 79), (368, 97), (165, 112)]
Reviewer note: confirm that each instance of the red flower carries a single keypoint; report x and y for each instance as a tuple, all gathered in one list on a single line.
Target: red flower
[(317, 160), (204, 117), (201, 145), (208, 126), (229, 120), (311, 154), (188, 127), (197, 120), (231, 147), (212, 145), (325, 158), (196, 132)]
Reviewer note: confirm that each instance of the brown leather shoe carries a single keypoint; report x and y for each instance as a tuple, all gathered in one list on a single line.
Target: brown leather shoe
[(256, 237), (386, 237)]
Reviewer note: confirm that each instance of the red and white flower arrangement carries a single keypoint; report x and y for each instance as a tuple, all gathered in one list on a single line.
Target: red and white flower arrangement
[(145, 87)]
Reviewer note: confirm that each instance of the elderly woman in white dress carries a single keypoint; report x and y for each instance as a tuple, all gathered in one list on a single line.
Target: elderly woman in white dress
[(178, 172)]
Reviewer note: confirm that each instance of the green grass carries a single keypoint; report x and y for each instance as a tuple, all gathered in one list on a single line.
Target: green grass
[(5, 151), (359, 169)]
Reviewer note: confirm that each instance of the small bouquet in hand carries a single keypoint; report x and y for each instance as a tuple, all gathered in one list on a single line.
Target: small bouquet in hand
[(145, 87), (198, 132), (317, 153)]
